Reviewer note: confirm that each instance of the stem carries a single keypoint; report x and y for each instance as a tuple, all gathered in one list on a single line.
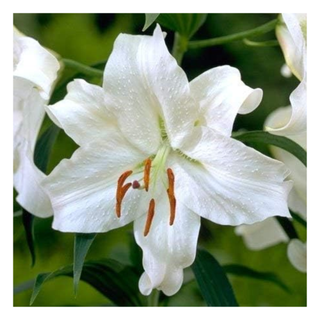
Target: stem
[(153, 298), (180, 46), (265, 28), (89, 71), (268, 43)]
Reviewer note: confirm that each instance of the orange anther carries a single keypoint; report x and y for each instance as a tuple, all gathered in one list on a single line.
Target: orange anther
[(149, 217), (172, 199), (122, 190), (146, 176)]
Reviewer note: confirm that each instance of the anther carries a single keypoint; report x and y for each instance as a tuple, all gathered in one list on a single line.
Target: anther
[(146, 176), (172, 199), (122, 190), (135, 184), (149, 217)]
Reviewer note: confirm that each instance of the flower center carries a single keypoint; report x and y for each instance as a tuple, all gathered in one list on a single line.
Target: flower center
[(153, 171)]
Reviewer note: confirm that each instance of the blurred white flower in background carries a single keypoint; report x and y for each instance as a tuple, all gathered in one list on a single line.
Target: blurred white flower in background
[(34, 72)]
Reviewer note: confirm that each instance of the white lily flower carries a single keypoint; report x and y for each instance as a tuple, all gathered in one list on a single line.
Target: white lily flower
[(171, 140), (34, 71), (292, 36), (269, 232)]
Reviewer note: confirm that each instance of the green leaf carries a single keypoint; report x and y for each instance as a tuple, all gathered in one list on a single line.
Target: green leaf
[(186, 24), (150, 19), (298, 218), (243, 271), (275, 140), (44, 146), (117, 282), (28, 224), (288, 227), (212, 280), (82, 243)]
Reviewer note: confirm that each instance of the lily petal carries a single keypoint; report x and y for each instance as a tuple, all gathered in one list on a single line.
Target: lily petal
[(167, 250), (292, 36), (221, 95), (33, 62), (146, 85), (262, 234), (298, 195), (84, 109), (28, 113), (27, 182), (83, 189), (228, 182), (297, 254)]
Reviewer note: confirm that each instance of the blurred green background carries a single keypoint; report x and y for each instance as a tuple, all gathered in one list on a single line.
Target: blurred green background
[(88, 38)]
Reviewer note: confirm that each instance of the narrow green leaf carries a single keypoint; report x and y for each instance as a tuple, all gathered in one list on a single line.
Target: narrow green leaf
[(186, 24), (243, 271), (150, 19), (82, 243), (298, 218), (213, 283), (44, 146), (117, 282), (275, 140), (288, 227), (28, 224)]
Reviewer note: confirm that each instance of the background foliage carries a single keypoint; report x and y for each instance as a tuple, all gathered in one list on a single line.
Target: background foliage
[(89, 38)]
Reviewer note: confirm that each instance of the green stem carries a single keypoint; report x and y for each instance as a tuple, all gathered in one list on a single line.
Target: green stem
[(153, 298), (180, 46), (89, 71), (265, 28), (268, 43)]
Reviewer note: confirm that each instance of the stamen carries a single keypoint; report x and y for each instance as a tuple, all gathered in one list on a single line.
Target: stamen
[(146, 176), (149, 217), (172, 199), (122, 190)]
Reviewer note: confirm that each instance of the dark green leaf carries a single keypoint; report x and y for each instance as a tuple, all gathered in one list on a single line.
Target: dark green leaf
[(150, 19), (298, 218), (186, 24), (82, 243), (275, 140), (117, 282), (44, 146), (243, 271), (288, 227), (213, 283), (135, 255), (28, 224)]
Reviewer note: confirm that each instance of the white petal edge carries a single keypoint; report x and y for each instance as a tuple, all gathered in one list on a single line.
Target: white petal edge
[(297, 254), (167, 250), (33, 62), (83, 113), (228, 182), (262, 234), (221, 95), (27, 182)]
